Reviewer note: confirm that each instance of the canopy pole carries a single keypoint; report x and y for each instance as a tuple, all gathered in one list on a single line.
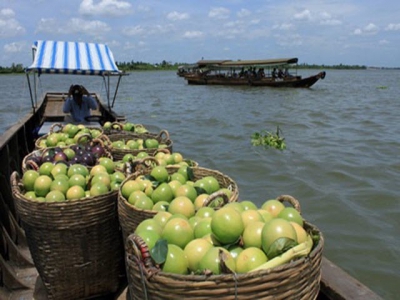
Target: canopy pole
[(30, 92), (116, 90)]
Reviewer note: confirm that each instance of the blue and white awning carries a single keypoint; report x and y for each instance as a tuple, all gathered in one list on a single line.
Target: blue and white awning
[(73, 58)]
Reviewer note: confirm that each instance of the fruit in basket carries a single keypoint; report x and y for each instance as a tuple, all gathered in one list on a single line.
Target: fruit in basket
[(77, 179), (248, 205), (98, 188), (291, 214), (163, 192), (227, 225), (182, 205), (104, 178), (218, 260), (55, 196), (249, 259), (195, 250), (42, 185), (277, 236), (28, 179), (301, 233), (151, 143), (273, 206), (176, 261), (78, 169), (162, 218), (213, 182), (45, 168), (160, 174), (108, 163), (203, 228), (60, 184), (75, 192), (252, 234), (178, 231), (187, 190), (59, 168), (149, 225), (249, 216)]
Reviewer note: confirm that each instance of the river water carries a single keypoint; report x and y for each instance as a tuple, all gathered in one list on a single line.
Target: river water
[(342, 160)]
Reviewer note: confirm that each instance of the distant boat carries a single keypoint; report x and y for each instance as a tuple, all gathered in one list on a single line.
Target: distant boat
[(269, 72)]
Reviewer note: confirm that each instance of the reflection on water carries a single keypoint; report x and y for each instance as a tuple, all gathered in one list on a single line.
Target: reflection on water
[(342, 160)]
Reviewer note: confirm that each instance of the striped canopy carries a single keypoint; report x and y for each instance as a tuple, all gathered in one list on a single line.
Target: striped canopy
[(73, 58)]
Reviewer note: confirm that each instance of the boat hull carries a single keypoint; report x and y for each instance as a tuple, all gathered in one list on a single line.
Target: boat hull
[(295, 81)]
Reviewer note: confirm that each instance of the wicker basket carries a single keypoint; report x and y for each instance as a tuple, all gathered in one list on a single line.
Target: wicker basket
[(299, 279), (76, 245), (118, 154), (118, 128), (57, 127), (130, 216)]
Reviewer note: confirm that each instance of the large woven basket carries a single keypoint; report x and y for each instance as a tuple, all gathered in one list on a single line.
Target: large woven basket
[(58, 127), (118, 154), (76, 245), (130, 216), (298, 279)]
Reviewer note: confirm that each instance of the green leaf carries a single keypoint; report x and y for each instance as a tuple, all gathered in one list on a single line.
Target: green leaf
[(280, 246), (190, 173), (159, 251)]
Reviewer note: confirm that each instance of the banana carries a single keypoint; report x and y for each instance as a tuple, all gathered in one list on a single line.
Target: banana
[(300, 250)]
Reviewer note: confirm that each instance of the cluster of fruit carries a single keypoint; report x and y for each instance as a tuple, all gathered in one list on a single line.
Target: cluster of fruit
[(177, 193), (83, 154), (267, 139), (237, 238), (60, 182), (68, 135), (161, 158), (126, 126), (137, 144)]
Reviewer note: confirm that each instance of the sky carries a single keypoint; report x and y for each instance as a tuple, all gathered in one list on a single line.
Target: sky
[(350, 32)]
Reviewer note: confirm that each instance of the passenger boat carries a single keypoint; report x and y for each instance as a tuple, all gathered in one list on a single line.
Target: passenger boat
[(18, 276), (270, 72)]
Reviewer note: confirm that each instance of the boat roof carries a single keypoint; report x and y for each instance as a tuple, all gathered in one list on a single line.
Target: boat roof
[(80, 58), (208, 62), (259, 62)]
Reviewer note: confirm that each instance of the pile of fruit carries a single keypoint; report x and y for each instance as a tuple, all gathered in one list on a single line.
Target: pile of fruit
[(61, 182), (68, 135), (237, 238), (124, 127), (172, 189)]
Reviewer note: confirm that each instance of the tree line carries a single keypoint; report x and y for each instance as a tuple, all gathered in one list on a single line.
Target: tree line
[(164, 65)]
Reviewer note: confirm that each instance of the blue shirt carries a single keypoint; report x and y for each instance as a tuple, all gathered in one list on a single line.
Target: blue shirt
[(79, 113)]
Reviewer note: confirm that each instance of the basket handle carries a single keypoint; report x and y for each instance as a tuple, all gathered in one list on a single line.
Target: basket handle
[(214, 196), (55, 126), (15, 182), (293, 201), (31, 165), (135, 246), (160, 135), (120, 125), (85, 135), (161, 150)]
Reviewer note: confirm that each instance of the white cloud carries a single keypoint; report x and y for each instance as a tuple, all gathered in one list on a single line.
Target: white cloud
[(74, 25), (175, 16), (219, 13), (392, 26), (283, 26), (7, 13), (383, 42), (193, 34), (243, 13), (14, 47), (8, 25), (105, 7), (326, 19), (135, 30), (304, 15), (369, 29)]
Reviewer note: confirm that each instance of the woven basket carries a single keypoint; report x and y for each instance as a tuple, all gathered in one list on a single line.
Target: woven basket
[(118, 154), (130, 216), (76, 245), (57, 127), (299, 279)]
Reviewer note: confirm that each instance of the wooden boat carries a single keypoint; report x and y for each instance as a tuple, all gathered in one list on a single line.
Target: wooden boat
[(18, 276), (271, 72)]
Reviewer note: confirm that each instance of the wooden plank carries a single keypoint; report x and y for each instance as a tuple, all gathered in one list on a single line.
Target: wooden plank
[(337, 284)]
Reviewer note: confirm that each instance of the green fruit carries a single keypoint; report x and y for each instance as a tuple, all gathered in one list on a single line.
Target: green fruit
[(160, 174), (178, 231), (211, 260), (291, 214), (250, 259), (42, 185), (176, 261), (162, 193), (28, 179), (227, 225)]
